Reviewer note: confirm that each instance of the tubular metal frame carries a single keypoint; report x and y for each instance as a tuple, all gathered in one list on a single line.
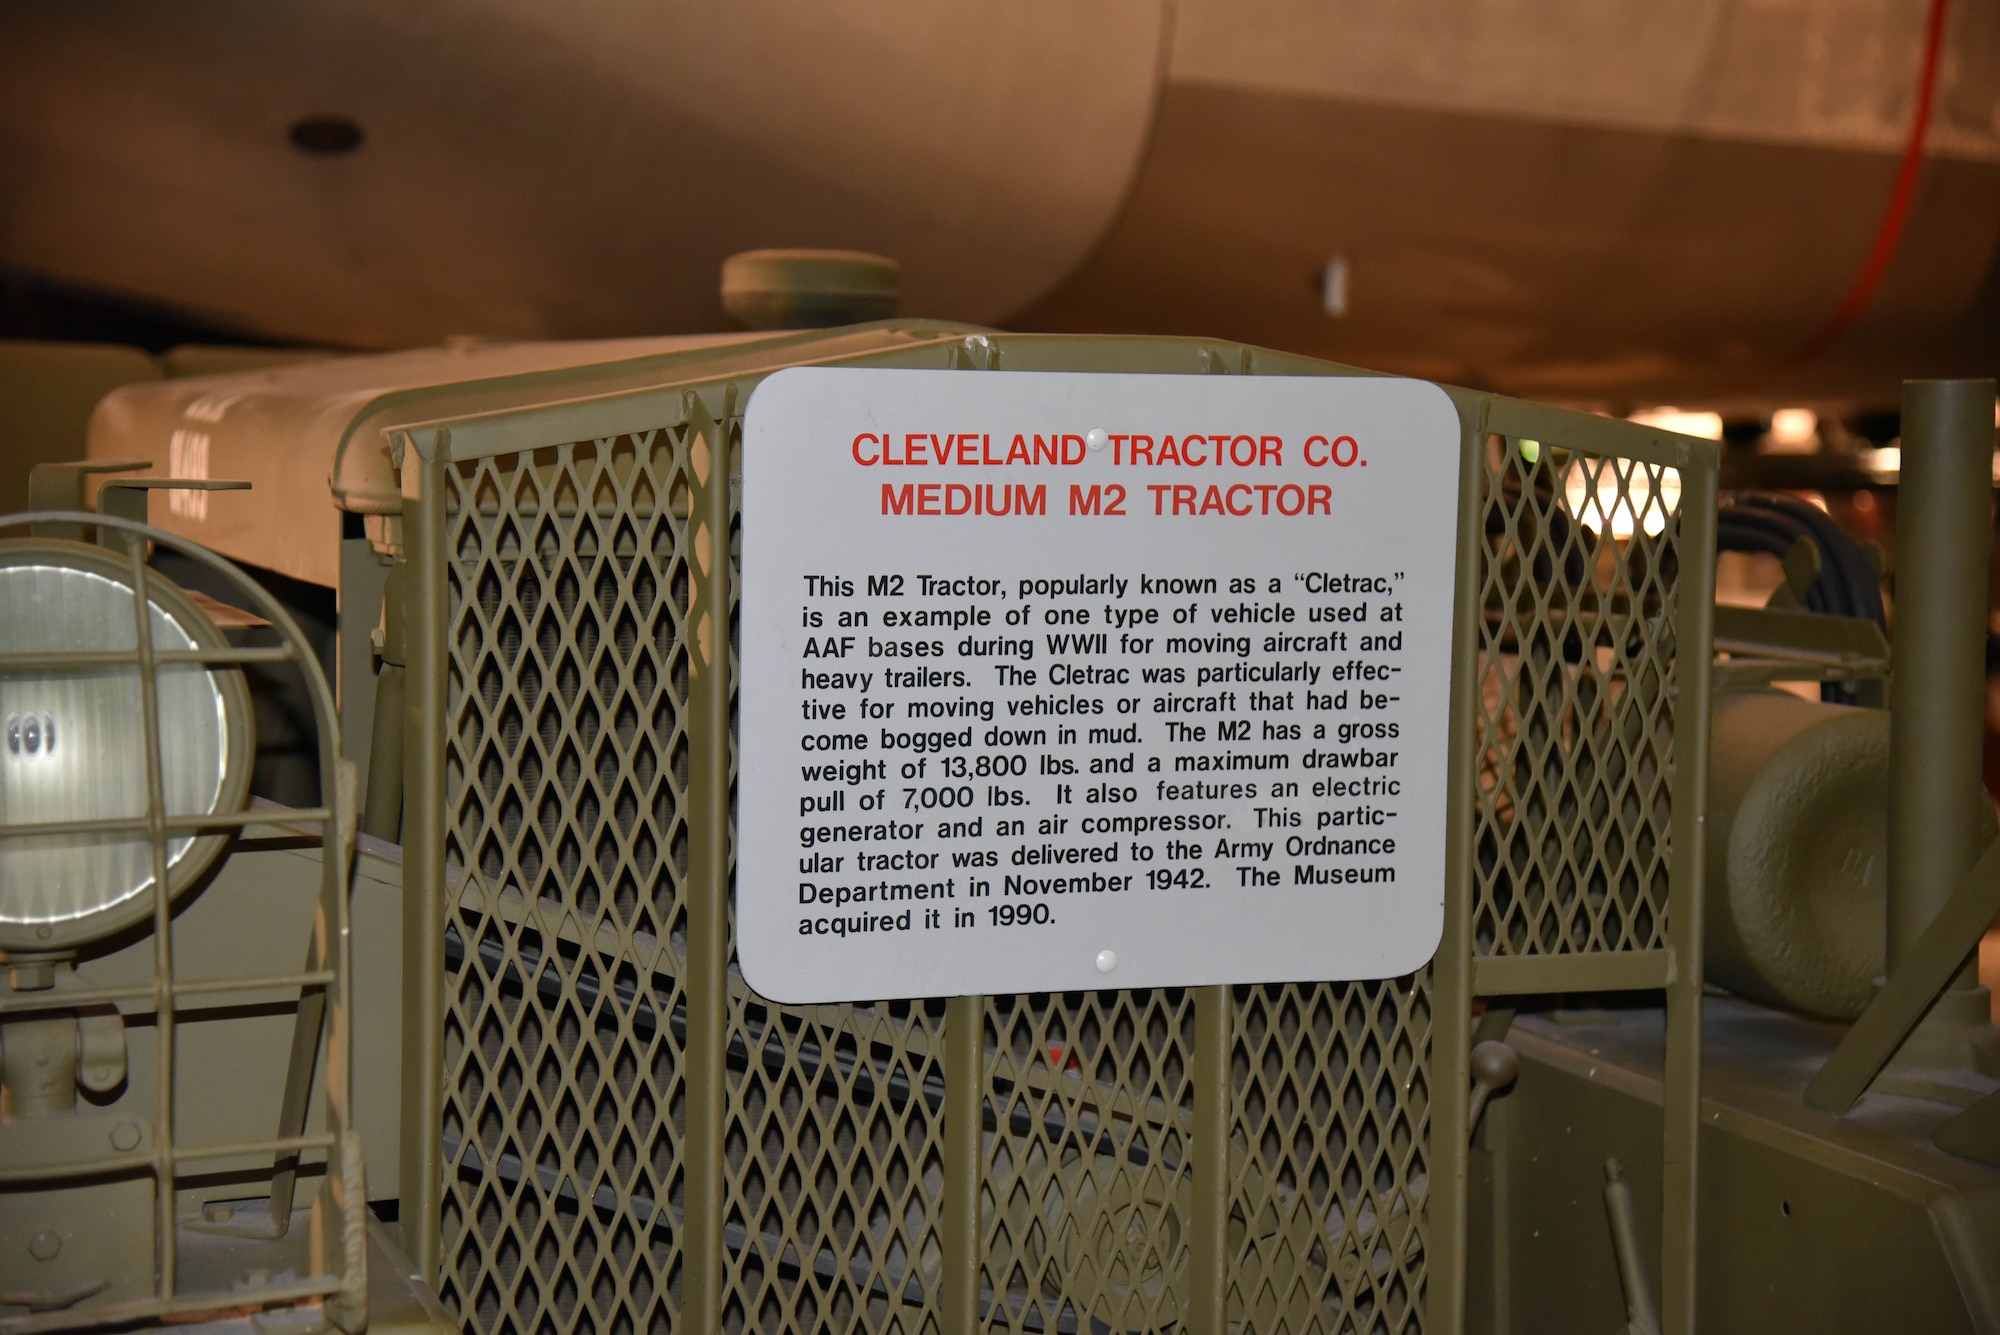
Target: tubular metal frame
[(343, 1291)]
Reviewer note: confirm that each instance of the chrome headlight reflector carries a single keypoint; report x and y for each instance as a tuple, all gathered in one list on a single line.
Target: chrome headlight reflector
[(73, 742)]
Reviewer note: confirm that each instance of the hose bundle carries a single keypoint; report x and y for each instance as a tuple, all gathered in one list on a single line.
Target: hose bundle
[(1847, 584)]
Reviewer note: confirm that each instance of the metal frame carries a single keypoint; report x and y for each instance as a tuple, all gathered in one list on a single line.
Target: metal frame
[(706, 409), (323, 1019), (1464, 970)]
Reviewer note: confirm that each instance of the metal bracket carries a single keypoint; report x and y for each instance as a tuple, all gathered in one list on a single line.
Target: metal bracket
[(128, 497), (1952, 936), (61, 486), (100, 1049), (1802, 567), (1495, 1065), (1853, 645)]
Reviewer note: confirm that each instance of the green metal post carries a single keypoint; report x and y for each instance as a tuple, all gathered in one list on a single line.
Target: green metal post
[(1937, 692), (964, 1127), (707, 976), (1680, 1175), (166, 1272), (421, 1170), (1208, 1263), (1451, 967), (1937, 804)]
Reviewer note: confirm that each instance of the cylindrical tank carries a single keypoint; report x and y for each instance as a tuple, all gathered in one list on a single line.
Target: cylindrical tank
[(1797, 850), (1690, 189)]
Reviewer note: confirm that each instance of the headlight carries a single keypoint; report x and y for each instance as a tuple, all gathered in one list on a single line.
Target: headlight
[(73, 742)]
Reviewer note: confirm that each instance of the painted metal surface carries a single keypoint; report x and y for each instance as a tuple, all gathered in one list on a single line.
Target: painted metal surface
[(1791, 1197), (632, 1137), (144, 1153), (1548, 197)]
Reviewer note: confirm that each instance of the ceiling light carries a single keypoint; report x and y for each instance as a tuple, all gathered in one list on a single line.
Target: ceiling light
[(1619, 498), (1796, 427), (1708, 426)]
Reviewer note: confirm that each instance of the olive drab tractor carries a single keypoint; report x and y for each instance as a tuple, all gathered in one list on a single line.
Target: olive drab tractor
[(454, 1033)]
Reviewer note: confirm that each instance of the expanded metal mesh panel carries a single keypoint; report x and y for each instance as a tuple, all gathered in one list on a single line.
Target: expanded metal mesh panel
[(566, 1011), (1086, 1166), (1330, 1088), (1577, 582), (566, 761), (832, 1172), (832, 1169), (565, 1023)]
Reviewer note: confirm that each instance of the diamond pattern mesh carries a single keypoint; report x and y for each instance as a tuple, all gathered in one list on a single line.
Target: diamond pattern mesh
[(1086, 1167), (566, 762), (1576, 678), (565, 1017), (1331, 1095), (834, 1184)]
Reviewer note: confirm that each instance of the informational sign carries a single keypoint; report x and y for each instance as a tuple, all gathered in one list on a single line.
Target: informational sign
[(1056, 681)]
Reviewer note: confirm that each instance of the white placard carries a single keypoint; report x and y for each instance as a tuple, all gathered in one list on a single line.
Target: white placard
[(1058, 681)]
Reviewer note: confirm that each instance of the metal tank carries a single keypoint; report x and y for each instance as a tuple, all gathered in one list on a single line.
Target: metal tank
[(1798, 851), (1686, 199)]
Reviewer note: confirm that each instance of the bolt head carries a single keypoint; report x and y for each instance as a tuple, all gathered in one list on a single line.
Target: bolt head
[(125, 1136), (44, 1246)]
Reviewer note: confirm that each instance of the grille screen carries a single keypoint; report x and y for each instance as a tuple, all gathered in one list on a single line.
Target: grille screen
[(566, 757), (1575, 728), (565, 1019), (1331, 1099), (1086, 1164)]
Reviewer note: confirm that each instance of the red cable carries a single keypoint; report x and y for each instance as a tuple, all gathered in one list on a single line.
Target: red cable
[(1891, 230)]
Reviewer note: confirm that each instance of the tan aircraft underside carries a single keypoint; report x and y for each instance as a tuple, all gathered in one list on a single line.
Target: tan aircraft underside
[(1566, 198)]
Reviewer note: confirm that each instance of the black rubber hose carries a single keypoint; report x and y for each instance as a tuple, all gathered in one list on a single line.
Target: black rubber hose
[(1740, 529), (1859, 588), (1846, 584)]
